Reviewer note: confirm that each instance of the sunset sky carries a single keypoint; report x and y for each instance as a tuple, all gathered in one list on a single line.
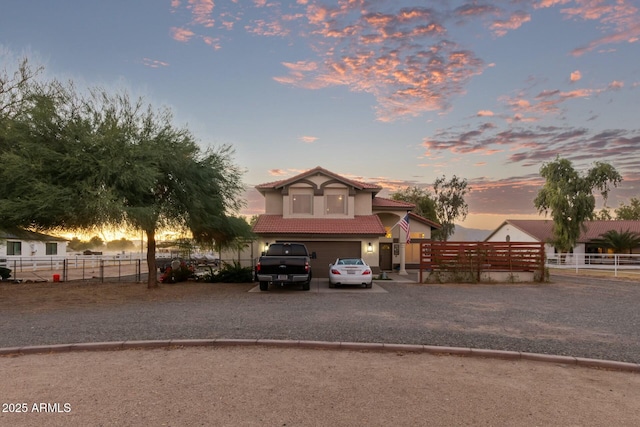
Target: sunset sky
[(391, 92)]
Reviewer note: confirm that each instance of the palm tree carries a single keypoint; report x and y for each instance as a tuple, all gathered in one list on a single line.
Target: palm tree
[(619, 241)]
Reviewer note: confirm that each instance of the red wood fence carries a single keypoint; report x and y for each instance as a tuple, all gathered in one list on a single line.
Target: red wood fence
[(479, 257)]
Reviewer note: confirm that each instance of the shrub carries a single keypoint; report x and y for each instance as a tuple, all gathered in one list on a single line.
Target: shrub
[(233, 273), (5, 273)]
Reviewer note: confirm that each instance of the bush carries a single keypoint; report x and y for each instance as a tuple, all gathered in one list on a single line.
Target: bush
[(233, 273), (5, 273)]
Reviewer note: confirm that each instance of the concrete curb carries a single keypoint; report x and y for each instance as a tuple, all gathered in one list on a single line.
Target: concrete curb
[(323, 345)]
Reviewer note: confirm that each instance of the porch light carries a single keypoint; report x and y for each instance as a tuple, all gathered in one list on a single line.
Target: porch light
[(369, 248), (266, 246)]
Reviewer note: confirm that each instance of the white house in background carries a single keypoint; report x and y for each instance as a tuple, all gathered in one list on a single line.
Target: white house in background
[(541, 230), (339, 217), (29, 244)]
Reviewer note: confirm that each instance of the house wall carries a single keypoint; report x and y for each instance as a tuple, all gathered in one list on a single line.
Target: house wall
[(363, 204), (515, 235), (33, 248), (273, 203), (282, 204)]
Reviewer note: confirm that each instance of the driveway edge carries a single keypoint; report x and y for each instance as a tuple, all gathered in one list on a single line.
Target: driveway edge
[(323, 345)]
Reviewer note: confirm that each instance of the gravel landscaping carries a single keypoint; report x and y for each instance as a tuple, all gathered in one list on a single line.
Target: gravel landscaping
[(576, 316)]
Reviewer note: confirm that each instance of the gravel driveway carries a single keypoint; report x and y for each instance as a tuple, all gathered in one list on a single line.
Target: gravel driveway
[(582, 317)]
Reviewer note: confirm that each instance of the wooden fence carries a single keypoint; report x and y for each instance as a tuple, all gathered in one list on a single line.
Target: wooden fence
[(480, 257)]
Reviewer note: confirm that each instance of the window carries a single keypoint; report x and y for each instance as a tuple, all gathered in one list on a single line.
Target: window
[(335, 204), (51, 248), (301, 204), (14, 248)]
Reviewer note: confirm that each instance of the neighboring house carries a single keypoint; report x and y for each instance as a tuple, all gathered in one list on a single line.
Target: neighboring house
[(541, 230), (340, 217), (23, 243)]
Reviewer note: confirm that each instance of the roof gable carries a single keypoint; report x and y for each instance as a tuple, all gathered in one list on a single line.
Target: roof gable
[(304, 177)]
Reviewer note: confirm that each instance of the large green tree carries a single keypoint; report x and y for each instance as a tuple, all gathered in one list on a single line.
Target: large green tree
[(568, 195), (81, 163), (425, 205), (158, 177), (630, 211), (450, 203), (445, 206)]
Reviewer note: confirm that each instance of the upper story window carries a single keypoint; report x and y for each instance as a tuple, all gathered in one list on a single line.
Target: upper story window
[(335, 204), (301, 204)]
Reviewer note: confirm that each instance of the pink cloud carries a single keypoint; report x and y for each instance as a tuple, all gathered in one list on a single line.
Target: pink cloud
[(211, 41), (615, 85), (484, 113), (181, 34), (201, 11), (308, 139), (266, 28), (575, 76), (515, 21)]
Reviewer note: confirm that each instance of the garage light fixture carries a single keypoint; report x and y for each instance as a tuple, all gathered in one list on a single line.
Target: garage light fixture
[(266, 246), (370, 248)]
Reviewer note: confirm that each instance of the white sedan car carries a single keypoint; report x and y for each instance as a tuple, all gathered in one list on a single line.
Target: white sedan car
[(350, 271)]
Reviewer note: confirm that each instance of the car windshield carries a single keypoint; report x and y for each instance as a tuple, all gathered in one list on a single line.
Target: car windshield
[(350, 261)]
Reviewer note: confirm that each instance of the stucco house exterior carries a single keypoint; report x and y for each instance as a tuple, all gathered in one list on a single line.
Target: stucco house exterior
[(27, 244), (340, 217), (520, 230)]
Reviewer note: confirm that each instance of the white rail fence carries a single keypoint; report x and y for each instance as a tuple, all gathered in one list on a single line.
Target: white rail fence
[(615, 264)]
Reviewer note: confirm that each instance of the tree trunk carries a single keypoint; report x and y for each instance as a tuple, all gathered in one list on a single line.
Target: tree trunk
[(152, 282)]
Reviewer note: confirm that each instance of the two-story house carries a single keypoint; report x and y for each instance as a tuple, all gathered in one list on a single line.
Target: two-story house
[(339, 217)]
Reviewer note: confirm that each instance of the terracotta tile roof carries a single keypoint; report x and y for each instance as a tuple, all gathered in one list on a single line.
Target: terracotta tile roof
[(276, 224), (542, 229), (357, 184), (381, 202)]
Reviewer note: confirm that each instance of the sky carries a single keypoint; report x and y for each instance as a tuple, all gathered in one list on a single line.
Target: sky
[(396, 93)]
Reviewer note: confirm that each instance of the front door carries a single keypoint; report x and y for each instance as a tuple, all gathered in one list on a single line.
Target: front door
[(385, 257)]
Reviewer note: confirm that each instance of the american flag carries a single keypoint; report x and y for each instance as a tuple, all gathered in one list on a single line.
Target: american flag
[(404, 224)]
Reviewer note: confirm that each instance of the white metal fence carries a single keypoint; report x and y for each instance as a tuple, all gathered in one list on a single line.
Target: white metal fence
[(613, 264)]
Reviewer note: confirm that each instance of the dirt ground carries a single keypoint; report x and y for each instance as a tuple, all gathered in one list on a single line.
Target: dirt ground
[(287, 386), (42, 296)]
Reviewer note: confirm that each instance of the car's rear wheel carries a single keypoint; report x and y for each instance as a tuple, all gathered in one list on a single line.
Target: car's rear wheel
[(368, 285), (306, 286), (331, 285), (264, 286)]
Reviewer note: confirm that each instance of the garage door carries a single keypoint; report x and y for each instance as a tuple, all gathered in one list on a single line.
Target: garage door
[(327, 252)]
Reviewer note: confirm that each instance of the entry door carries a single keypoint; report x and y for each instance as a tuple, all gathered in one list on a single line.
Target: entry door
[(385, 257)]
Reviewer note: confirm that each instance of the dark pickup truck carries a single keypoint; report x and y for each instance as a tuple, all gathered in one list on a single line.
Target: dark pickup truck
[(284, 263)]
